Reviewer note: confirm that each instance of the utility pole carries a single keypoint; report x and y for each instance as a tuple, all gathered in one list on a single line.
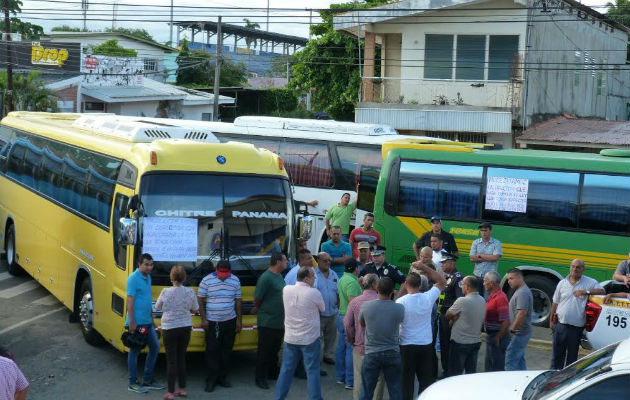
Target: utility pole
[(7, 26), (217, 71), (84, 6), (171, 30)]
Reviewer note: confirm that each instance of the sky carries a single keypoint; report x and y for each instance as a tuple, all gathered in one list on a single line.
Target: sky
[(286, 16)]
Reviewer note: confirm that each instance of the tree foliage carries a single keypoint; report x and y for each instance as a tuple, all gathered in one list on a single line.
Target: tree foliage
[(620, 12), (67, 28), (138, 33), (329, 65), (29, 93), (28, 30), (196, 67), (113, 49)]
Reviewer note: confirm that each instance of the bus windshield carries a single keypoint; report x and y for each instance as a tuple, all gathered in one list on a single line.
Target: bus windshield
[(242, 218)]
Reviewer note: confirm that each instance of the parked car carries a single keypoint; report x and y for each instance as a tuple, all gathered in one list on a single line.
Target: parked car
[(607, 323), (603, 374)]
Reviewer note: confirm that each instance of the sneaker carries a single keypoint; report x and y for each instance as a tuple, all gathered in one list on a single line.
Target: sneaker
[(153, 385), (137, 388), (348, 387), (341, 382)]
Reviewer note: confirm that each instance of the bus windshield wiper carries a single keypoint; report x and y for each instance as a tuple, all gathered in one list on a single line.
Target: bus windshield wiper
[(231, 252)]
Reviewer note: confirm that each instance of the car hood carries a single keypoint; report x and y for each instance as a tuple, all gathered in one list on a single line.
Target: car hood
[(499, 385)]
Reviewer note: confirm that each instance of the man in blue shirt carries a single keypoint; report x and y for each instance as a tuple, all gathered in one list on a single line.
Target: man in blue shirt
[(327, 285), (338, 250), (139, 308)]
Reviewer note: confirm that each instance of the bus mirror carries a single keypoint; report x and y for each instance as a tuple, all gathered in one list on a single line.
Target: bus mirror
[(127, 228), (306, 227)]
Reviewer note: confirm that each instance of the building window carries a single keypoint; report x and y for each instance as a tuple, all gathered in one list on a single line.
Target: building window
[(471, 51), (601, 77), (206, 116), (93, 106), (576, 70), (150, 65), (502, 57), (438, 57)]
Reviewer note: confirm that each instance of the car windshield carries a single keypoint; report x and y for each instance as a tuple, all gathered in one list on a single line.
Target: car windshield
[(193, 220), (552, 381)]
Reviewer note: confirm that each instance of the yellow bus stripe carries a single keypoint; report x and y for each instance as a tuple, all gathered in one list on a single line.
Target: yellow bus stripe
[(540, 254)]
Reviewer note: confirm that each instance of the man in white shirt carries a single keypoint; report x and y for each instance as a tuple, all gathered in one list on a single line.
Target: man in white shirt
[(568, 313), (436, 246), (416, 332), (302, 306)]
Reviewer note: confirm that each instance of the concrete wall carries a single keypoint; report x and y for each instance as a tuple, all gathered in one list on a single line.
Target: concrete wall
[(563, 71), (412, 84)]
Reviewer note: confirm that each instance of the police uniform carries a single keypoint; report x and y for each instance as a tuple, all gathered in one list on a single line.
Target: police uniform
[(385, 271), (452, 291)]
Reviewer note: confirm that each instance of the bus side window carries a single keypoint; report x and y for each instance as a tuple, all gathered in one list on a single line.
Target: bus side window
[(120, 251), (308, 164), (605, 198), (354, 160), (16, 155)]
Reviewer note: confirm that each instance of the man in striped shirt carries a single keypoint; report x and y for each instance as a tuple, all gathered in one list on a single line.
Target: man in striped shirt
[(219, 297)]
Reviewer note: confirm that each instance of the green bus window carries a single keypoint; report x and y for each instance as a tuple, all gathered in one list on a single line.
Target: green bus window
[(439, 189), (552, 198), (605, 198)]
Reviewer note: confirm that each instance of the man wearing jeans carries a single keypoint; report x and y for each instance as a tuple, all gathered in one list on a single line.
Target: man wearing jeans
[(521, 308), (381, 319), (348, 288), (139, 308), (416, 332), (466, 314), (497, 323), (302, 307), (485, 253)]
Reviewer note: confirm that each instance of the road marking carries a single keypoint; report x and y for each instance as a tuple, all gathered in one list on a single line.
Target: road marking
[(28, 321), (19, 289), (4, 276), (49, 300)]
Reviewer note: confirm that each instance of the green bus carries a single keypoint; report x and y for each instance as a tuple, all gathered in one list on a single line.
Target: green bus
[(546, 207)]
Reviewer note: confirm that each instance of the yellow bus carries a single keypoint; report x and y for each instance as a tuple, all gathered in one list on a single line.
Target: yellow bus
[(82, 196)]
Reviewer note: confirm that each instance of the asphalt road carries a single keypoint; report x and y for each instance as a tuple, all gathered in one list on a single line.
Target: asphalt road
[(60, 365)]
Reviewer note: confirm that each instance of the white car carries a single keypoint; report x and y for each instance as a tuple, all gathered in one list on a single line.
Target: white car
[(607, 323), (602, 375)]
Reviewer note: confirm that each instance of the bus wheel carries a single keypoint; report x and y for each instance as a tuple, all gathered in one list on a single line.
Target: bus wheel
[(542, 291), (14, 268), (86, 315)]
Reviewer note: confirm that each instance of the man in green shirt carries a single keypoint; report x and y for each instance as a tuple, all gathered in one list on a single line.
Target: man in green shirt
[(340, 215), (349, 288), (270, 309)]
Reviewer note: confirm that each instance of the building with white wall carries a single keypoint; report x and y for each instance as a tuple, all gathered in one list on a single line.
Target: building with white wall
[(481, 70)]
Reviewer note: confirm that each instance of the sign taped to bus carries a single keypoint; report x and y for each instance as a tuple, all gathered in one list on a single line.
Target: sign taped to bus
[(507, 194), (170, 239)]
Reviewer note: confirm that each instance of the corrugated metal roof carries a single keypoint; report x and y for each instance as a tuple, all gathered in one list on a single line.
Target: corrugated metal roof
[(436, 119), (566, 131)]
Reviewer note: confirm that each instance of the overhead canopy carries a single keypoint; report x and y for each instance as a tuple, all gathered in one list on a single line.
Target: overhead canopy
[(241, 31)]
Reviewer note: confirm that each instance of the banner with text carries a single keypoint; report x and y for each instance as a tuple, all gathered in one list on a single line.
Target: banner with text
[(507, 194), (170, 239)]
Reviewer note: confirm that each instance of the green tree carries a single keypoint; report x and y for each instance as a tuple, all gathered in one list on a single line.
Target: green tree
[(66, 28), (113, 49), (138, 33), (251, 25), (620, 12), (329, 65), (29, 93), (28, 30), (196, 68)]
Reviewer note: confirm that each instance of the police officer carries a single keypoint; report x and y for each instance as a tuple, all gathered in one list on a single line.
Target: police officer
[(380, 267), (452, 291)]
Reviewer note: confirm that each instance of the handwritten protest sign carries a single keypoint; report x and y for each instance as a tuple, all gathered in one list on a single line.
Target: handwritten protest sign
[(507, 194), (170, 239)]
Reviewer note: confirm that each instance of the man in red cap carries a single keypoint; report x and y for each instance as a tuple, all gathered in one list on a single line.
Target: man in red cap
[(220, 308)]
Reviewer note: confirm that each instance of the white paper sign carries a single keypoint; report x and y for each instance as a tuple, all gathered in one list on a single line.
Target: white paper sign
[(507, 194), (170, 239)]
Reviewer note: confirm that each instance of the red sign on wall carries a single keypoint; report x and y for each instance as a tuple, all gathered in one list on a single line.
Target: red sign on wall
[(91, 62)]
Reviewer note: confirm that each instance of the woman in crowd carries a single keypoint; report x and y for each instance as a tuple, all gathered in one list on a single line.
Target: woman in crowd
[(177, 304)]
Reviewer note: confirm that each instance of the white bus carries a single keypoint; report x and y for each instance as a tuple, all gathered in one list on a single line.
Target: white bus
[(324, 158)]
